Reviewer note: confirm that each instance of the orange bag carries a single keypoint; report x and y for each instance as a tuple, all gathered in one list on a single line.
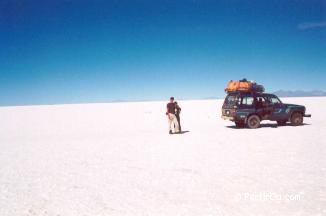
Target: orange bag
[(239, 86)]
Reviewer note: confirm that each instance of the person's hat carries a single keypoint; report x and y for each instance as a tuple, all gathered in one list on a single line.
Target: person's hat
[(171, 98)]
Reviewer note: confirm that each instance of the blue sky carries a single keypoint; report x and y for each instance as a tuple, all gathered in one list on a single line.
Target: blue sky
[(97, 51)]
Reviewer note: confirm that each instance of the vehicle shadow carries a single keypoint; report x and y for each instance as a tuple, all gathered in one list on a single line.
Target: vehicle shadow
[(268, 125)]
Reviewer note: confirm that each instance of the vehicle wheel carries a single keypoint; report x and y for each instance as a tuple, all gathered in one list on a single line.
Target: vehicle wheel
[(239, 124), (253, 122), (296, 119), (282, 122)]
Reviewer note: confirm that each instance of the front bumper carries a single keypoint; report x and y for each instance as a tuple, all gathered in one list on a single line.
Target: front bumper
[(307, 115), (228, 118)]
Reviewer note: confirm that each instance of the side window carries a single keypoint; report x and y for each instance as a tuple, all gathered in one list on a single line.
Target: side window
[(247, 101), (274, 100), (261, 102)]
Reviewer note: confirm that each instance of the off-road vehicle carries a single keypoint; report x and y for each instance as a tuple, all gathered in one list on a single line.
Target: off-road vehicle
[(250, 108)]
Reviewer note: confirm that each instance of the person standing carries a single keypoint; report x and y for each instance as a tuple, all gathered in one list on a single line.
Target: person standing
[(171, 108), (177, 114)]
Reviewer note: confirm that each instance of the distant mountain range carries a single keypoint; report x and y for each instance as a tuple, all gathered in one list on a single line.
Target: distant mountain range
[(300, 93)]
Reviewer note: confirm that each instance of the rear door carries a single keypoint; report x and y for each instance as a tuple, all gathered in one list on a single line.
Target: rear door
[(247, 106), (262, 108)]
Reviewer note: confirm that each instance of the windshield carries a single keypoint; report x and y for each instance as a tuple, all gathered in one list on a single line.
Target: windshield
[(231, 100)]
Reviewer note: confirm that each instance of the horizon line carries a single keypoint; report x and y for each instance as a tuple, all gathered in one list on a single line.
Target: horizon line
[(140, 101)]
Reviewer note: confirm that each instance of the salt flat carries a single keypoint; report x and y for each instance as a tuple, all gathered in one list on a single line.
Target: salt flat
[(118, 159)]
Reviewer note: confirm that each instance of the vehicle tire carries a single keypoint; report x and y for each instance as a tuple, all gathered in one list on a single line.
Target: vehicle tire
[(253, 122), (239, 124), (296, 119), (281, 122)]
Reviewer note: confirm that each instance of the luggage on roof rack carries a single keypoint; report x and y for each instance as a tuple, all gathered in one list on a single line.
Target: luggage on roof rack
[(244, 85)]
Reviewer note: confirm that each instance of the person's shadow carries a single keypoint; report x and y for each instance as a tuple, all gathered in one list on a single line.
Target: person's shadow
[(183, 132)]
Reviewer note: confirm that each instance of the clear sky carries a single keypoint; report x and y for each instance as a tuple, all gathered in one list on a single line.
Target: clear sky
[(96, 51)]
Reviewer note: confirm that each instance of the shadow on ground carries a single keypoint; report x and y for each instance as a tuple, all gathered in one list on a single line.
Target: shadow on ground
[(183, 132), (269, 125)]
